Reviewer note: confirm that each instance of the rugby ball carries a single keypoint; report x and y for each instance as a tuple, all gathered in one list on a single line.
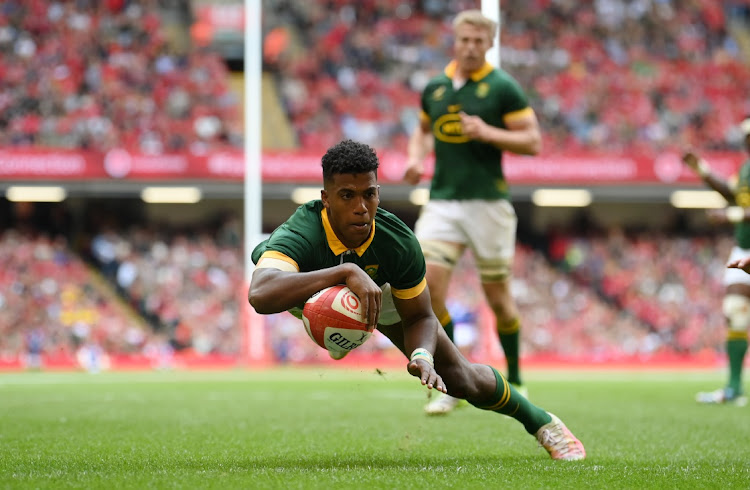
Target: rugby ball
[(334, 319)]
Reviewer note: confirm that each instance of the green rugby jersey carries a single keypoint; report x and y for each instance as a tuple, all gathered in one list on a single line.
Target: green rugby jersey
[(307, 242), (466, 169), (742, 197)]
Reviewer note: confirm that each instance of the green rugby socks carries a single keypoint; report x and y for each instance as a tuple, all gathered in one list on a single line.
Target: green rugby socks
[(509, 333), (507, 401), (736, 349), (447, 322)]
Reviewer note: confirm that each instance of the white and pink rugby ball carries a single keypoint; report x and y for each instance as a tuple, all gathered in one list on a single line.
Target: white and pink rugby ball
[(334, 319)]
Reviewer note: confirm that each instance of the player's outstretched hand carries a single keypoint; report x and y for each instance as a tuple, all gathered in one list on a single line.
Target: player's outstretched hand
[(420, 368), (691, 160), (414, 173), (743, 264), (717, 216)]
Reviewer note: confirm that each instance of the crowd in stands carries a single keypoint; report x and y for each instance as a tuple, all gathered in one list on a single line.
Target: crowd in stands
[(597, 298), (601, 74), (621, 75), (187, 286), (670, 283), (612, 75), (52, 305), (89, 74), (603, 298), (560, 317)]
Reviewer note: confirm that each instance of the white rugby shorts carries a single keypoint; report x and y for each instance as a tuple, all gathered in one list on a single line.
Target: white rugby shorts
[(487, 227)]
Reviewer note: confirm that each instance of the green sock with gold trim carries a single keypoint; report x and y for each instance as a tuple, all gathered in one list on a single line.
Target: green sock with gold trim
[(507, 401), (447, 322), (509, 334), (736, 349)]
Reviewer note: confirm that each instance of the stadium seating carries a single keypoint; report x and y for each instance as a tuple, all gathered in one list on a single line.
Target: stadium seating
[(188, 289), (52, 304), (679, 298), (607, 74), (95, 75), (605, 298)]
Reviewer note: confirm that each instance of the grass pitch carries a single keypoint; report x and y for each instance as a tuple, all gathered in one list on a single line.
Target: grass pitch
[(320, 428)]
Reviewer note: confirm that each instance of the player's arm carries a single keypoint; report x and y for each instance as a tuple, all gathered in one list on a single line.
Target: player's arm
[(702, 169), (278, 287), (729, 214), (521, 134), (743, 263), (421, 143), (420, 327)]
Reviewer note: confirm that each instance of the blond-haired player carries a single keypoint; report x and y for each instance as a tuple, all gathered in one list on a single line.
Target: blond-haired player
[(471, 114)]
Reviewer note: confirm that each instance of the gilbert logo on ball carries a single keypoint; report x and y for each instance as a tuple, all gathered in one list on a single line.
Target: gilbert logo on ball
[(333, 319)]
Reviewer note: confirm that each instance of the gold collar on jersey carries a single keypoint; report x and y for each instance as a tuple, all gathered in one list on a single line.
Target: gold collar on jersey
[(450, 70), (335, 244)]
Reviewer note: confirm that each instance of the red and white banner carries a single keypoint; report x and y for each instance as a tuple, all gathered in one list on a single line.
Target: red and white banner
[(304, 167), (223, 16)]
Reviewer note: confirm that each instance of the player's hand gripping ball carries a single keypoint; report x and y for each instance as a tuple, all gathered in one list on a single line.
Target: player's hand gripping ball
[(334, 319)]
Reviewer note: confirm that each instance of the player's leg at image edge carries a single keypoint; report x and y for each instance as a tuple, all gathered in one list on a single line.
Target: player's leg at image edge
[(722, 396), (737, 310)]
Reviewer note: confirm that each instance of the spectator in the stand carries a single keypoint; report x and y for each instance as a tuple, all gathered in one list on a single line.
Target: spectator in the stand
[(34, 347), (736, 304)]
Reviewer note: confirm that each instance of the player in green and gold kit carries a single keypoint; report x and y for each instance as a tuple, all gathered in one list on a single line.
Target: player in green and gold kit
[(471, 114), (344, 238), (736, 304)]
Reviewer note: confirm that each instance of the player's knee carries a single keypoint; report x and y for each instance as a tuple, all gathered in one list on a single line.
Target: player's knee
[(737, 311), (504, 309), (494, 270), (441, 253)]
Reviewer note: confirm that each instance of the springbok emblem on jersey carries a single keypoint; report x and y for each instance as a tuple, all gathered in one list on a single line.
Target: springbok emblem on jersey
[(372, 271), (483, 89), (438, 93)]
